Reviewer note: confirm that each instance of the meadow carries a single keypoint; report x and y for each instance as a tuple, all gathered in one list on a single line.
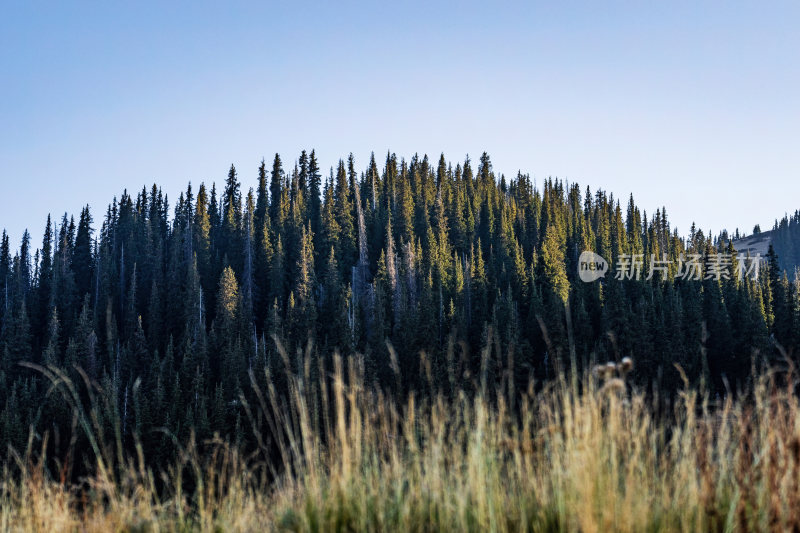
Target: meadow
[(585, 452)]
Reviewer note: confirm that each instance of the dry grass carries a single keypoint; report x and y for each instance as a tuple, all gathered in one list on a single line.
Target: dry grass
[(585, 454)]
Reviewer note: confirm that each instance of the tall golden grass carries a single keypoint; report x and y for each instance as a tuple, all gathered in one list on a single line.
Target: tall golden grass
[(585, 453)]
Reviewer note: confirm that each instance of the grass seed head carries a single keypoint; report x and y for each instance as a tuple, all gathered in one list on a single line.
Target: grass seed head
[(627, 364), (599, 371)]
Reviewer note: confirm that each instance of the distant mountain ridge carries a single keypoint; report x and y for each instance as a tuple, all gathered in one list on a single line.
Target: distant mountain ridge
[(756, 244), (785, 238)]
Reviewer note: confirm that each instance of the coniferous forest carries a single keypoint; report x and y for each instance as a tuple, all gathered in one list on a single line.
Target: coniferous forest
[(432, 272)]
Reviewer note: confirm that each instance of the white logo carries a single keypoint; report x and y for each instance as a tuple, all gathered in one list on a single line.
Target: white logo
[(591, 266)]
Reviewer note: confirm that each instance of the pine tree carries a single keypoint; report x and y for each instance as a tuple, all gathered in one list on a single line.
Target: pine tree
[(5, 272), (51, 354), (441, 226), (276, 207), (315, 195), (82, 260), (304, 289), (16, 343), (232, 221), (201, 233), (22, 269), (333, 315), (262, 199), (45, 281), (779, 303), (231, 364), (343, 213), (302, 182), (555, 275), (228, 299), (404, 214)]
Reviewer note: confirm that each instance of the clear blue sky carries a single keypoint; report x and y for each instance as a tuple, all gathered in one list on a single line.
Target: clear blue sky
[(690, 105)]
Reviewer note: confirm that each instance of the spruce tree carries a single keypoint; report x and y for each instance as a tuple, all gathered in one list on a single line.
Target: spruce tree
[(343, 213), (82, 261), (315, 194), (276, 207)]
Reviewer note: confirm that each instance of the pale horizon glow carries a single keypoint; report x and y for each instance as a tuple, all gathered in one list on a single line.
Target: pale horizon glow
[(687, 105)]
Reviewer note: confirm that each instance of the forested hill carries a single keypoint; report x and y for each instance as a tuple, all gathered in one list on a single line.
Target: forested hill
[(169, 307)]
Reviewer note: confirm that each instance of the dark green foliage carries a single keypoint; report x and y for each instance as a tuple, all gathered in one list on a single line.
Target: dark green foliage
[(471, 277)]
